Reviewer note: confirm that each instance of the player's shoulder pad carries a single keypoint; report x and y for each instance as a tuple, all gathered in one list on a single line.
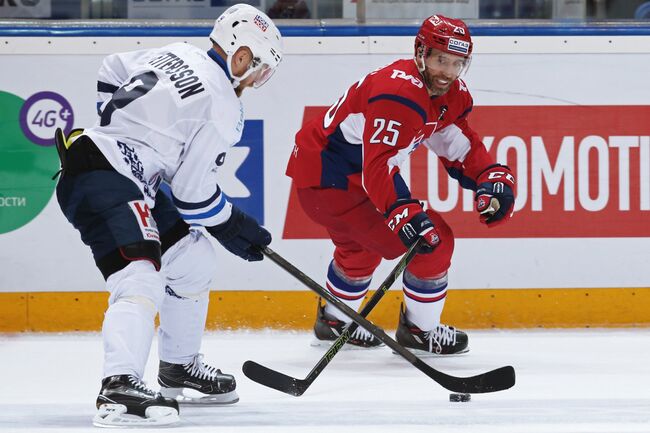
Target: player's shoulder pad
[(400, 82), (400, 77), (200, 74), (461, 97), (179, 46), (461, 91)]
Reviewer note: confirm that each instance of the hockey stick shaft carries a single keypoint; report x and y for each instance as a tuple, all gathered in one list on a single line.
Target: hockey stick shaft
[(297, 387), (368, 307), (491, 381)]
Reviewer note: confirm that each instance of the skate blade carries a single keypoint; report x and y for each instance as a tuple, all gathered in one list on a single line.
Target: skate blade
[(327, 344), (114, 415), (426, 354), (187, 396)]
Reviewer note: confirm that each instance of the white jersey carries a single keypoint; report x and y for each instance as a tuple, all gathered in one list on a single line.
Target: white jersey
[(170, 114)]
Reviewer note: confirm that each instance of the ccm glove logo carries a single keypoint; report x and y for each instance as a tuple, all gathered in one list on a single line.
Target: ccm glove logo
[(501, 175), (396, 219), (407, 220)]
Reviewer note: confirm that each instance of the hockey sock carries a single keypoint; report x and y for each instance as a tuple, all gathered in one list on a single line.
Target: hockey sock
[(424, 299), (349, 290), (128, 326), (188, 267), (127, 332), (182, 321)]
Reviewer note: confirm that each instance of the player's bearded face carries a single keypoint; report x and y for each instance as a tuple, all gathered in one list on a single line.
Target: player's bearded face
[(441, 70)]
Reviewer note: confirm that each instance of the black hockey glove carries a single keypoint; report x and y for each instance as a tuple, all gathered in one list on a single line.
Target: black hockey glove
[(407, 220), (242, 235), (495, 197)]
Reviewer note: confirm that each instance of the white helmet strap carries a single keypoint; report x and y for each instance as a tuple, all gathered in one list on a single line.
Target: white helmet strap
[(236, 81), (421, 65)]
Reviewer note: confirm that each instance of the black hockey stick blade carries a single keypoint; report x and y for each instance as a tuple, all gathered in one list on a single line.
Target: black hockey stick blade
[(296, 387), (499, 379), (492, 381), (274, 379), (496, 380)]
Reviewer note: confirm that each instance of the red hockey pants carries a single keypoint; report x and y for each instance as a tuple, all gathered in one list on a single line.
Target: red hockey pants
[(362, 237)]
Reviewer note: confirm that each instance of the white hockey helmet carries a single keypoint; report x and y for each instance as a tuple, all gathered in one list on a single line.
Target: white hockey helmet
[(243, 25)]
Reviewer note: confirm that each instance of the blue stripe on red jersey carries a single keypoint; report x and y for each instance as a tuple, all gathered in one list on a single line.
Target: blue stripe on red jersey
[(339, 159), (402, 191), (402, 100), (466, 112), (464, 181)]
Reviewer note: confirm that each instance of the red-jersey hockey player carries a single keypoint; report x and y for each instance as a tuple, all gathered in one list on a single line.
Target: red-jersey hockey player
[(346, 167)]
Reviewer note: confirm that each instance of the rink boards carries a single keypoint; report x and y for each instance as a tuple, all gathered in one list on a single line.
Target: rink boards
[(568, 111)]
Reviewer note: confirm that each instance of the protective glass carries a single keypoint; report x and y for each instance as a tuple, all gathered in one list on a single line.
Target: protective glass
[(262, 75), (452, 65)]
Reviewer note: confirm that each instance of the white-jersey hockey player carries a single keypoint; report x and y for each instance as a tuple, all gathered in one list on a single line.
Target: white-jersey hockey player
[(165, 115)]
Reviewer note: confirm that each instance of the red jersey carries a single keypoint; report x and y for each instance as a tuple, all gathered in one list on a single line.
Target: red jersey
[(378, 122)]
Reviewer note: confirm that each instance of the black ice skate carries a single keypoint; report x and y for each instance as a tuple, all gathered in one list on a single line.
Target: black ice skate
[(196, 383), (442, 340), (125, 401), (328, 328)]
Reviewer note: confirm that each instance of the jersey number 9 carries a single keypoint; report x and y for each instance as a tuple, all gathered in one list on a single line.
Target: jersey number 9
[(138, 86)]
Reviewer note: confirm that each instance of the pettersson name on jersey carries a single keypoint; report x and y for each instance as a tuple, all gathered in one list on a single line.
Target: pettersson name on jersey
[(183, 78)]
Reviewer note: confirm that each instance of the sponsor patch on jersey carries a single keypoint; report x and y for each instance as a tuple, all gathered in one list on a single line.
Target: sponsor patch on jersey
[(458, 46), (261, 23), (404, 76), (137, 169), (145, 220)]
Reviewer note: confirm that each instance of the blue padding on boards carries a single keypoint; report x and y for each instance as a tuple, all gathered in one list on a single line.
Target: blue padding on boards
[(550, 29)]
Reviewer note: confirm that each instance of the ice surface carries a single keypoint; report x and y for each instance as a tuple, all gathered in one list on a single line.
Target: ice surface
[(589, 381)]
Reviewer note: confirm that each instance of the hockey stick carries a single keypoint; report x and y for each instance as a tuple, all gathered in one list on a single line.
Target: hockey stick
[(491, 381), (297, 387)]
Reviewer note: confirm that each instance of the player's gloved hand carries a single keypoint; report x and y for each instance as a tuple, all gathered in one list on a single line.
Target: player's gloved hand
[(495, 196), (407, 220), (242, 235)]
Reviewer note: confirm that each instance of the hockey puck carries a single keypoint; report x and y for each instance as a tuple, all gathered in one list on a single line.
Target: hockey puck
[(460, 397)]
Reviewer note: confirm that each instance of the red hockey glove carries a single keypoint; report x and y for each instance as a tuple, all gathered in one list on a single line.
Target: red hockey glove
[(494, 197), (407, 220)]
